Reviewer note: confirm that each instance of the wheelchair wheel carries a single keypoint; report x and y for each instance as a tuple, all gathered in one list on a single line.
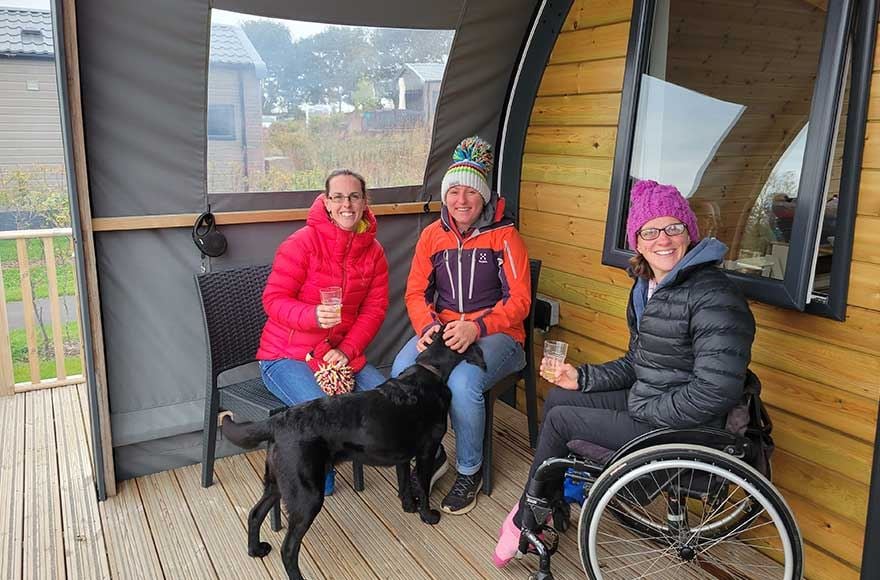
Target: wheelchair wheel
[(687, 511)]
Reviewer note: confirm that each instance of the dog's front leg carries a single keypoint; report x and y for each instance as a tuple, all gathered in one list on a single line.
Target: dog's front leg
[(423, 475), (404, 491)]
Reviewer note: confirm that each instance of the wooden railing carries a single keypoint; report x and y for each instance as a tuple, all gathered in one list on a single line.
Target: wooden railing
[(36, 331)]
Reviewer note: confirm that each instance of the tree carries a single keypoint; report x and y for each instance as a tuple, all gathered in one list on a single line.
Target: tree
[(273, 43), (364, 97), (38, 196), (326, 67)]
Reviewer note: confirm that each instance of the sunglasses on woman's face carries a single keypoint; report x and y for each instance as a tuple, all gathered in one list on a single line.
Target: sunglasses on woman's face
[(671, 230)]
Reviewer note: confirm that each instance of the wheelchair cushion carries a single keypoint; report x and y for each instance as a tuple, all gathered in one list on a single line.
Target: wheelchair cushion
[(590, 451)]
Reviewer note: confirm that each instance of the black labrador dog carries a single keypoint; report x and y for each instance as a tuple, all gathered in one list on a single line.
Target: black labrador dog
[(401, 419)]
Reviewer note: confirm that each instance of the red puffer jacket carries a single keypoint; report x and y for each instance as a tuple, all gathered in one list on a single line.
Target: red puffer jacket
[(317, 256)]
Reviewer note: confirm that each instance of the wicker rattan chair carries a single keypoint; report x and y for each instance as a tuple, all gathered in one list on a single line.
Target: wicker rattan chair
[(527, 375), (232, 308)]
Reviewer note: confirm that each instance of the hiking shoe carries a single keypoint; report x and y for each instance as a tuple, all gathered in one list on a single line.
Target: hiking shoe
[(441, 466), (463, 496)]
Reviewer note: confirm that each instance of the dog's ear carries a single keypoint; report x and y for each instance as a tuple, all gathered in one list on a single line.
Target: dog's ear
[(474, 355)]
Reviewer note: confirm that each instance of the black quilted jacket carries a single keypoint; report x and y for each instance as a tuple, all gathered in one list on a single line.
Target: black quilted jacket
[(688, 356)]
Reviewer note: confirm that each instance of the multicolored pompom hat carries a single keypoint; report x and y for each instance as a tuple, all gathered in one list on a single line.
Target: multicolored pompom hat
[(471, 165)]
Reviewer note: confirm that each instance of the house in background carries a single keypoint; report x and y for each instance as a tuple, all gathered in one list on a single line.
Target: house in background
[(235, 110), (30, 124), (420, 88)]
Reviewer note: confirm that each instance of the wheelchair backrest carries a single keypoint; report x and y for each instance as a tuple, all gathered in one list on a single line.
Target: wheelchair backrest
[(747, 435)]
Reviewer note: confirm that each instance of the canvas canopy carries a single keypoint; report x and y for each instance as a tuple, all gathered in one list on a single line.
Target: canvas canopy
[(144, 69)]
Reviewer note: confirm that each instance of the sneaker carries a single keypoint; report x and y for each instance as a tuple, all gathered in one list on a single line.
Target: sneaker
[(441, 466), (330, 482), (463, 496)]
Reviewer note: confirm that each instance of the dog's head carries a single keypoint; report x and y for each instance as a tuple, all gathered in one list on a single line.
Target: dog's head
[(444, 359)]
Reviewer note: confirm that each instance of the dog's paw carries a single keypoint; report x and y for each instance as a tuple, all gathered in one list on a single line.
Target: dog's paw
[(409, 504), (260, 551), (430, 516)]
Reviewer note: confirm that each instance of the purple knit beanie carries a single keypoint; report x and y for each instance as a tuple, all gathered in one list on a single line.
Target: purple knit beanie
[(650, 200)]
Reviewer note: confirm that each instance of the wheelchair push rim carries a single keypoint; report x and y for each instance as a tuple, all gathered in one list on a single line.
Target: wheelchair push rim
[(650, 551)]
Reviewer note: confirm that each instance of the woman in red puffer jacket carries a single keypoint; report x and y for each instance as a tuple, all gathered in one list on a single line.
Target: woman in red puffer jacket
[(337, 247)]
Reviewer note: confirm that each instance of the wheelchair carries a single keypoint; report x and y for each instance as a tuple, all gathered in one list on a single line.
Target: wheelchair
[(673, 503)]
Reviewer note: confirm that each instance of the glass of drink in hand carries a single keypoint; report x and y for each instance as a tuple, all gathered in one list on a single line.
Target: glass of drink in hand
[(332, 296), (554, 357)]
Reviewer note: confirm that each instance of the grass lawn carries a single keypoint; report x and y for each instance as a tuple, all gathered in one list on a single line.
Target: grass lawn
[(21, 369), (40, 281), (47, 369)]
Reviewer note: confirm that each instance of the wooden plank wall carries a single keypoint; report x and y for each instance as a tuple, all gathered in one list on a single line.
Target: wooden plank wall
[(820, 376)]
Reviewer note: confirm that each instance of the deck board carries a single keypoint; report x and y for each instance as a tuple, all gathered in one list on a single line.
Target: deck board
[(244, 487), (219, 527), (126, 525), (84, 550), (167, 526), (182, 552), (43, 543), (12, 418), (327, 542), (388, 555)]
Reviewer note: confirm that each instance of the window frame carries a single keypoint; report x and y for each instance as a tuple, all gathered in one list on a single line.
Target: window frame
[(228, 109), (846, 20)]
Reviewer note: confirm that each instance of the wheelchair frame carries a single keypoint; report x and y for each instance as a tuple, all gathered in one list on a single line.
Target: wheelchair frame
[(663, 449)]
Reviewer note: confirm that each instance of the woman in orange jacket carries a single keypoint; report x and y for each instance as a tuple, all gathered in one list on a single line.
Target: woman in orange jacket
[(470, 272)]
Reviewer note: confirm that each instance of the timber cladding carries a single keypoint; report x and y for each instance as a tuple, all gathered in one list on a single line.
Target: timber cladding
[(820, 376)]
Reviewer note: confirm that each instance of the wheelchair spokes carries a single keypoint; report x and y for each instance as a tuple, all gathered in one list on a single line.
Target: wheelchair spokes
[(687, 512)]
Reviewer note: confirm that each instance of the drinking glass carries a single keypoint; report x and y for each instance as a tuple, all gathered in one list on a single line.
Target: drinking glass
[(332, 296), (554, 353)]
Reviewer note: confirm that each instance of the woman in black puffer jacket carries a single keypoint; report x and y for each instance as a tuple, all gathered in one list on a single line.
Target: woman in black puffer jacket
[(691, 334)]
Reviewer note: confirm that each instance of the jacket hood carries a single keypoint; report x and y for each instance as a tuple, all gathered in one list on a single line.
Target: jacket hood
[(319, 219), (707, 251)]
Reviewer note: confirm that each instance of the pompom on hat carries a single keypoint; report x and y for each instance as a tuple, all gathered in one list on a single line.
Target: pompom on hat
[(650, 200), (471, 165)]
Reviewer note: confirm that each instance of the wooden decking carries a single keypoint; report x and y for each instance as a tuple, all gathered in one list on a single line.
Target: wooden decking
[(166, 526)]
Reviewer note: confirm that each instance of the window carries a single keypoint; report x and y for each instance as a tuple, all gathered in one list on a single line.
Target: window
[(221, 122), (316, 98), (753, 122)]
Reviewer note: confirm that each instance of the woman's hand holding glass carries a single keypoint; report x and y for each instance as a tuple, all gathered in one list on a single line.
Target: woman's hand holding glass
[(560, 374), (328, 315), (330, 309)]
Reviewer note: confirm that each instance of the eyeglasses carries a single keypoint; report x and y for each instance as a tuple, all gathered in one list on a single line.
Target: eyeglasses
[(351, 197), (671, 230)]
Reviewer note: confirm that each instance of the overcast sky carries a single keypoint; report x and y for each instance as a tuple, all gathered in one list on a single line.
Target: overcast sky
[(297, 29)]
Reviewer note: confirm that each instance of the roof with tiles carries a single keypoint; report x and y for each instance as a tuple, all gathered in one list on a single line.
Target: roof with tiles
[(25, 32), (427, 71), (29, 32)]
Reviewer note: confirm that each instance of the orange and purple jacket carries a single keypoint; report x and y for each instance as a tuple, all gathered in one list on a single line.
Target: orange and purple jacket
[(483, 277)]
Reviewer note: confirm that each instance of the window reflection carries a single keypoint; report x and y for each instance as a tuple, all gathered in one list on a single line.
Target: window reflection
[(723, 113)]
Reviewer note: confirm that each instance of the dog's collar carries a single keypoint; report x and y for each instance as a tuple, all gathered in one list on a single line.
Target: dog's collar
[(431, 368)]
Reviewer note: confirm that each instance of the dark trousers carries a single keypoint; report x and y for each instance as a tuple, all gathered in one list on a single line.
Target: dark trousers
[(599, 418)]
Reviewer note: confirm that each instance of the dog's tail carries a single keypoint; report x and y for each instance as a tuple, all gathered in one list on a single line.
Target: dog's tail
[(248, 434)]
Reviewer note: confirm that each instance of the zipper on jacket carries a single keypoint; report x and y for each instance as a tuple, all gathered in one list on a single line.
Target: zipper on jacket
[(473, 264), (510, 258), (344, 276), (449, 272), (460, 291)]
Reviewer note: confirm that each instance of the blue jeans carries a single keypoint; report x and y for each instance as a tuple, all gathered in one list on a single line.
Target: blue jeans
[(293, 382), (503, 356)]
